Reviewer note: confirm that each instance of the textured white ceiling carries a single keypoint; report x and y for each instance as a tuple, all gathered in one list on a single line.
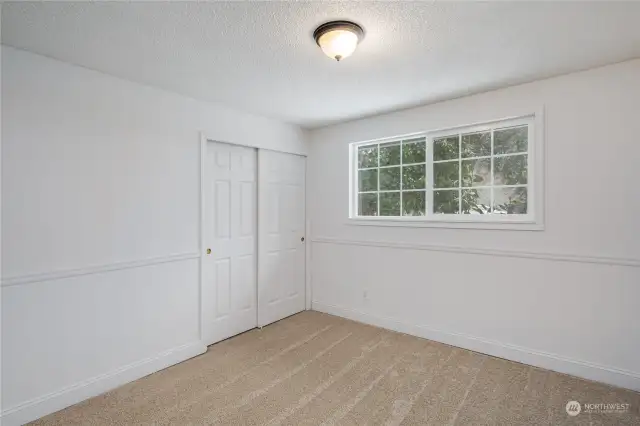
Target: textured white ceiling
[(260, 57)]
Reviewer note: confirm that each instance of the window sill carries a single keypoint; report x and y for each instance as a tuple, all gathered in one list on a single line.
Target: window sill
[(499, 223)]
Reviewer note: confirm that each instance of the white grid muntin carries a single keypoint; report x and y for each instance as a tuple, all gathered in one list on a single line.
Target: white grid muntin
[(534, 196)]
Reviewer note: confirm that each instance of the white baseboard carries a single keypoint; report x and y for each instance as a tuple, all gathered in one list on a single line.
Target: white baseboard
[(561, 364), (47, 404)]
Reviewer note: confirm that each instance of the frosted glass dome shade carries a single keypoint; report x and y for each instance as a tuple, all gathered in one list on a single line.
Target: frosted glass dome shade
[(339, 39)]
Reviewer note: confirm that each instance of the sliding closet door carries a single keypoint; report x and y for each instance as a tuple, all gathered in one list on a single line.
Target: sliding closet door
[(281, 229), (229, 285)]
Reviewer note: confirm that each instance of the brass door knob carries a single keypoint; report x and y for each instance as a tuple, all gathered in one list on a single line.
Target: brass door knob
[(208, 251)]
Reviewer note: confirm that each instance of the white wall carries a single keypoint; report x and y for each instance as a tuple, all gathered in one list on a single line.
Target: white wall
[(0, 222), (564, 298), (100, 220)]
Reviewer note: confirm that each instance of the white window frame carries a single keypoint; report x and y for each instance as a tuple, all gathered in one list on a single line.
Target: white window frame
[(532, 220)]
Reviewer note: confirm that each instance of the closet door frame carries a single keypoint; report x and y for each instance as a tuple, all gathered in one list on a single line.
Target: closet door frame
[(204, 143)]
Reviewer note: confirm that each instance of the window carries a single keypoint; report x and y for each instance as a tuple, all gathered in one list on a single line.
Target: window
[(480, 173)]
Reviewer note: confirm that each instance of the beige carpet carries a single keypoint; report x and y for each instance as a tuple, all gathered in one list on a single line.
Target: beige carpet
[(313, 369)]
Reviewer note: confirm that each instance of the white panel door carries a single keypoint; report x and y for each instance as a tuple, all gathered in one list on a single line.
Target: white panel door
[(229, 285), (281, 229)]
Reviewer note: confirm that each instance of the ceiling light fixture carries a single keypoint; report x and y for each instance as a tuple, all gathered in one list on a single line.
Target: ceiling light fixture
[(338, 39)]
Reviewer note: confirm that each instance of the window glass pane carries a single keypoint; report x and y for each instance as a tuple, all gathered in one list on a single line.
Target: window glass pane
[(445, 148), (390, 179), (476, 144), (368, 180), (476, 172), (413, 203), (510, 170), (367, 156), (390, 204), (390, 154), (368, 205), (512, 140), (479, 172), (414, 152), (446, 175), (510, 200), (476, 201), (413, 177), (447, 201)]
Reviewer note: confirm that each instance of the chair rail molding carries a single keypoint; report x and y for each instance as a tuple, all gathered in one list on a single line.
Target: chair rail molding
[(560, 257), (97, 269)]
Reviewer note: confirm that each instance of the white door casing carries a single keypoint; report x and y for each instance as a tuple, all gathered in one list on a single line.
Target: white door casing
[(229, 285), (281, 234)]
